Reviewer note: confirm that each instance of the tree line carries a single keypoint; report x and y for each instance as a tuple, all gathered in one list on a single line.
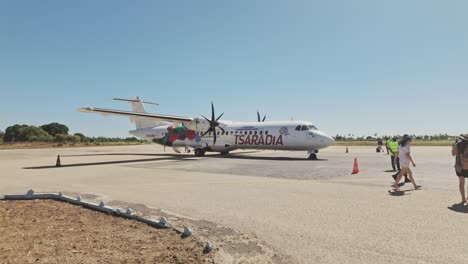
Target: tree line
[(53, 132), (436, 137)]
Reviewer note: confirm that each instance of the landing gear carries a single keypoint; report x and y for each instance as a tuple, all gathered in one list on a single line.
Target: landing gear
[(312, 154), (223, 153), (199, 152)]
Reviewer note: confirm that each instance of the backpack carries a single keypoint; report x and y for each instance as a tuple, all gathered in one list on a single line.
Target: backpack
[(461, 160)]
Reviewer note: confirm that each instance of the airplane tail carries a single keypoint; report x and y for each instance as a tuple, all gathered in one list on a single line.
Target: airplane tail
[(139, 107)]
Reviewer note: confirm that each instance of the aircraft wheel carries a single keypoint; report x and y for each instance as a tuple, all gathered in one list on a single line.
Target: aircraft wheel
[(199, 152), (224, 153), (313, 156)]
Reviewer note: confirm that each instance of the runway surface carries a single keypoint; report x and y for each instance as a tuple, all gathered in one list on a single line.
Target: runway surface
[(307, 211)]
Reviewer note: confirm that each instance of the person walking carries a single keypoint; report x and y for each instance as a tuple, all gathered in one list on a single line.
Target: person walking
[(395, 161), (460, 151), (393, 145), (379, 145), (404, 154), (387, 144)]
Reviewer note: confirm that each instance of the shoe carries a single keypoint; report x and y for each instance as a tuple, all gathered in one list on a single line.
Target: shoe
[(407, 180)]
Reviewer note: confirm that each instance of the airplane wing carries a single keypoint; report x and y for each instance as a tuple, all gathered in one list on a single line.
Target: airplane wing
[(103, 111)]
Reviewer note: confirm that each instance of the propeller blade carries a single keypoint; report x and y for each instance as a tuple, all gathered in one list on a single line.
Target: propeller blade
[(224, 131), (206, 118), (212, 112), (208, 131), (258, 116), (263, 120), (214, 139), (219, 116)]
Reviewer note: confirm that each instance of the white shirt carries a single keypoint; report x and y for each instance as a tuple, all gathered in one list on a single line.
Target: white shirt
[(403, 153)]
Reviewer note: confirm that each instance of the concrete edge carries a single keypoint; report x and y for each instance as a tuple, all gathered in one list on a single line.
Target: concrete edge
[(101, 207)]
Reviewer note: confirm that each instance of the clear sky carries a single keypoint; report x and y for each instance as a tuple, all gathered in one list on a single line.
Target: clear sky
[(360, 67)]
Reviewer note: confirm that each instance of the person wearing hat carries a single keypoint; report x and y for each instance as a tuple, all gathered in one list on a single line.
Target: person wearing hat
[(404, 154), (460, 151)]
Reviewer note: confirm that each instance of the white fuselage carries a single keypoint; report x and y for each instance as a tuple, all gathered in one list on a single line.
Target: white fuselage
[(280, 135)]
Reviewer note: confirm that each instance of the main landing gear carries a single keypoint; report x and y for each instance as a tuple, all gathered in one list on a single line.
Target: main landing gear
[(199, 152), (313, 156)]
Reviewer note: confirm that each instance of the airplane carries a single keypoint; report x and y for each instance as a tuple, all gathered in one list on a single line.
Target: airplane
[(216, 135)]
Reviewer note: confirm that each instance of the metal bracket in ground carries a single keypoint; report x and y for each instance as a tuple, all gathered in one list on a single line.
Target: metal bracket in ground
[(208, 247), (163, 222), (187, 232)]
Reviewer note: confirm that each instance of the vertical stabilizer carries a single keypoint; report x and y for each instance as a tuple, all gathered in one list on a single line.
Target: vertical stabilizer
[(139, 107)]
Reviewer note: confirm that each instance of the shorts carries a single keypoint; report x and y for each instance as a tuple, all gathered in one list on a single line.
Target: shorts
[(404, 164), (462, 173)]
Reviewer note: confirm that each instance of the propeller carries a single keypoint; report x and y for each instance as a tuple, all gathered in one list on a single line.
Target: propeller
[(258, 117), (213, 124)]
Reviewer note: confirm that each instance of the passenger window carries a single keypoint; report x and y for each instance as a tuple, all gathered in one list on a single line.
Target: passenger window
[(261, 132), (266, 132), (255, 133), (245, 132), (232, 132), (250, 132), (298, 128)]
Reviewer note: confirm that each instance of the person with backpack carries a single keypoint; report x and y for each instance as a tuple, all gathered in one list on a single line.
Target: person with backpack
[(460, 151)]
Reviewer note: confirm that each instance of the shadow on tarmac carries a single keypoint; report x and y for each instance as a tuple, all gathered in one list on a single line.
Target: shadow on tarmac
[(399, 192), (238, 156), (459, 208), (210, 155), (160, 157)]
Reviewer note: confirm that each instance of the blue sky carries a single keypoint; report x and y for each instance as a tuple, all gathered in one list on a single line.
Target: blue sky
[(360, 67)]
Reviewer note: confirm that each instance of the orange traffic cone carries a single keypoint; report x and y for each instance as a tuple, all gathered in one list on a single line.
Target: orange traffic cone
[(356, 167)]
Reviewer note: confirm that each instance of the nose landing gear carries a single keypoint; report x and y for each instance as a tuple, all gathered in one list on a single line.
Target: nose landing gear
[(199, 152), (312, 154)]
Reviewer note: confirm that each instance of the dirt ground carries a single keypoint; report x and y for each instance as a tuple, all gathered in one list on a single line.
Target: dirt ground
[(47, 231)]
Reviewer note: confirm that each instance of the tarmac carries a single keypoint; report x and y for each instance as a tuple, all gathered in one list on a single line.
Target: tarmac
[(308, 211)]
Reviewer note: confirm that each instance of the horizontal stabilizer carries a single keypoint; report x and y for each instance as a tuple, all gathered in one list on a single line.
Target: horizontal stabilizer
[(103, 111), (134, 101)]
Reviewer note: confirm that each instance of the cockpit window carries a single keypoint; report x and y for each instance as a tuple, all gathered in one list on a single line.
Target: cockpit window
[(298, 128), (304, 128), (311, 127)]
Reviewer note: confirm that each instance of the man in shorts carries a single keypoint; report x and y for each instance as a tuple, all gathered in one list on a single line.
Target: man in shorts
[(460, 151)]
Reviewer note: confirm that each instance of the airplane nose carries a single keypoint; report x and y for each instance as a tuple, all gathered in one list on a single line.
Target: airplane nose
[(329, 140), (324, 140)]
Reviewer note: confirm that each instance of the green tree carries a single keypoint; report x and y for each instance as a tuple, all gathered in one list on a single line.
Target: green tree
[(34, 134), (62, 138), (1, 136), (12, 133), (55, 128), (81, 137)]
